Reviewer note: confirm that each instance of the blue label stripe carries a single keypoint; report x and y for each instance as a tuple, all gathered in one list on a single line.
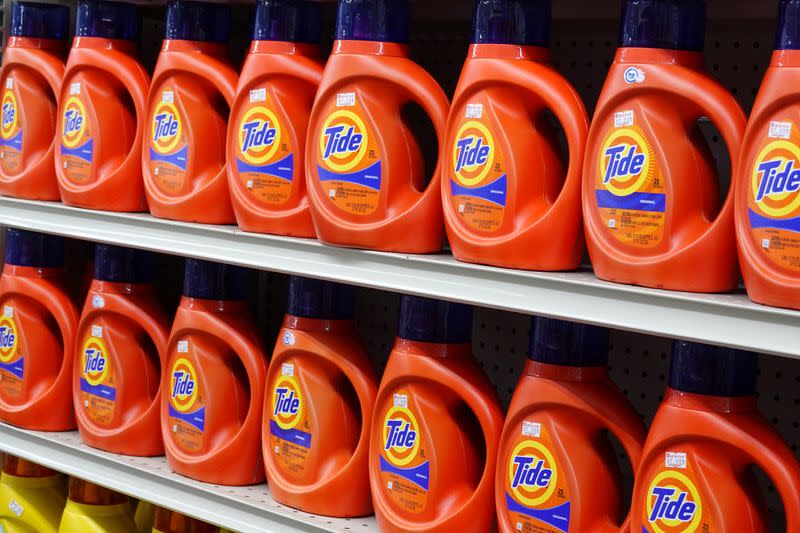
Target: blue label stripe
[(637, 201), (195, 418), (83, 151), (283, 169), (295, 436), (418, 475), (760, 221), (558, 516), (102, 391), (494, 192), (13, 142), (178, 158), (369, 177), (645, 530), (14, 367)]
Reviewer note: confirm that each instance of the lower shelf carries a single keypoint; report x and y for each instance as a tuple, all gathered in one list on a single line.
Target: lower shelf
[(244, 509)]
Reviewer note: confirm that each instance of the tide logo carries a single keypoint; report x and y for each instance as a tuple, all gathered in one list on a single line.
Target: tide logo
[(625, 162), (183, 385), (287, 402), (473, 153), (776, 179), (9, 111), (259, 136), (8, 339), (94, 361), (532, 473), (673, 504), (73, 122), (343, 141), (400, 436), (166, 128)]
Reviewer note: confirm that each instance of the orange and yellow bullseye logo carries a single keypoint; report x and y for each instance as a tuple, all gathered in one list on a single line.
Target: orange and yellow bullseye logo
[(8, 339), (94, 361), (532, 473), (343, 141), (400, 436), (626, 162), (259, 136), (73, 122), (673, 504), (166, 128), (776, 179), (287, 402), (183, 385), (10, 111), (473, 153)]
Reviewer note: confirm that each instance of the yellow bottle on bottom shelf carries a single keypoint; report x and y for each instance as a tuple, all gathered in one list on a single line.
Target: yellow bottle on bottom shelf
[(94, 509), (31, 497)]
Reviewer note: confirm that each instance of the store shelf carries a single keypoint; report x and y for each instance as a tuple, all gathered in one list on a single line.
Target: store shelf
[(242, 509), (729, 319)]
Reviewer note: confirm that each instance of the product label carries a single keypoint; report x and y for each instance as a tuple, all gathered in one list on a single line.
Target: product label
[(536, 490), (187, 401), (479, 184), (10, 131), (289, 422), (630, 190), (265, 156), (673, 503), (405, 469), (77, 138), (773, 197), (12, 362), (169, 148), (348, 159), (98, 379)]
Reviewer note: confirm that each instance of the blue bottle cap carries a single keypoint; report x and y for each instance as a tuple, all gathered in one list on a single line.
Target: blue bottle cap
[(373, 20), (109, 20), (666, 24), (197, 21), (558, 342), (788, 37), (214, 281), (288, 20), (712, 370), (122, 265), (313, 298), (428, 320), (520, 22), (31, 249), (41, 21)]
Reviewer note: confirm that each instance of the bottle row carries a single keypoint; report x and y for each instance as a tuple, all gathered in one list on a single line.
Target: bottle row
[(426, 445)]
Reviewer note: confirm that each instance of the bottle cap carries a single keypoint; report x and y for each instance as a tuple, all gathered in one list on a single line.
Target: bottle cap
[(428, 320), (214, 281), (788, 37), (32, 249), (373, 20), (558, 342), (110, 20), (288, 20), (665, 24), (520, 22), (41, 21), (712, 370), (313, 298), (197, 21), (122, 265)]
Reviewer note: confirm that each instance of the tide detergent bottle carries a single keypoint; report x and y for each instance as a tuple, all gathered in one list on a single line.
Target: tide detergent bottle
[(506, 201), (269, 119), (437, 423), (32, 497), (101, 110), (33, 66), (183, 156), (214, 380), (768, 177), (166, 521), (695, 473), (321, 391), (650, 193), (365, 171), (95, 509), (556, 471), (143, 517), (122, 341), (37, 334)]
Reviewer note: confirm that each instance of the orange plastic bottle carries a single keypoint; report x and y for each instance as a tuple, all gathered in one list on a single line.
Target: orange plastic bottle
[(33, 65), (101, 111), (37, 334), (213, 388), (269, 119), (436, 428), (365, 172), (556, 471), (695, 473), (321, 391), (183, 156), (122, 341), (768, 177), (166, 521), (506, 200), (650, 193)]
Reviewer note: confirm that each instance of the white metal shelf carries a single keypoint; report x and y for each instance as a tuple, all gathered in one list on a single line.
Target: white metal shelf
[(243, 509), (728, 319)]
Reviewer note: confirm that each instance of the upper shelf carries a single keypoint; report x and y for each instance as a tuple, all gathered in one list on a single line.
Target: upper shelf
[(729, 319)]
